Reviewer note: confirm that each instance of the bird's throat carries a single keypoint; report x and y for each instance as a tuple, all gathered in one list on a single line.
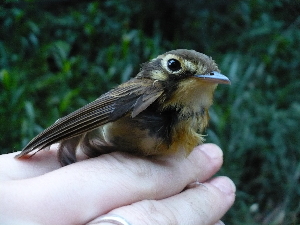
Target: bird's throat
[(191, 96)]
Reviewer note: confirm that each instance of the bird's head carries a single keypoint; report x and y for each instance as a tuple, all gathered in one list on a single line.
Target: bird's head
[(189, 77), (181, 64)]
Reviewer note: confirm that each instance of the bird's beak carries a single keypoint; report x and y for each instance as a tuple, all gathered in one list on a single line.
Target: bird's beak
[(214, 77)]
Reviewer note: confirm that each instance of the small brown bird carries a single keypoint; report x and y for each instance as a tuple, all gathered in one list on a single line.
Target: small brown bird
[(160, 111)]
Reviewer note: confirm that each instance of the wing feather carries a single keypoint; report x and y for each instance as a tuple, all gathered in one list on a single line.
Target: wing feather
[(136, 94)]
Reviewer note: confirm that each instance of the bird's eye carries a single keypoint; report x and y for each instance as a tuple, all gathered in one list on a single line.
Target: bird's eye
[(174, 65)]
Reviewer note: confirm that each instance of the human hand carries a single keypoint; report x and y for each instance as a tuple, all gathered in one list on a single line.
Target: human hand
[(141, 190)]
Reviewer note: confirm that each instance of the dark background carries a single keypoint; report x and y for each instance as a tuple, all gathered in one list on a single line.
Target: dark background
[(56, 56)]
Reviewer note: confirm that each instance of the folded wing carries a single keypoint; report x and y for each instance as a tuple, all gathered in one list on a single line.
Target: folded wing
[(133, 96)]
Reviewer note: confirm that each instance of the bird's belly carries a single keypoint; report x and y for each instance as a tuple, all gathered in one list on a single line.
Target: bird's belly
[(137, 136), (126, 135), (147, 134)]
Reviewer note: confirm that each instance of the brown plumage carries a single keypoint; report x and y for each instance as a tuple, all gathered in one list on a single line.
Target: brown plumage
[(163, 109)]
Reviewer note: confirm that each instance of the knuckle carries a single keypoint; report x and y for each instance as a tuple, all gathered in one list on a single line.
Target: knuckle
[(157, 213)]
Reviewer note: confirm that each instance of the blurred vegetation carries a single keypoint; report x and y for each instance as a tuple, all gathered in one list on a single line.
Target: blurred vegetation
[(56, 56)]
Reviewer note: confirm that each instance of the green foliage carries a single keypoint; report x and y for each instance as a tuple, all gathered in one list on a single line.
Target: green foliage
[(56, 56), (54, 62)]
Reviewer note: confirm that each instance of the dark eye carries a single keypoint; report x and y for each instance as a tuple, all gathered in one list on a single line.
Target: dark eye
[(174, 65)]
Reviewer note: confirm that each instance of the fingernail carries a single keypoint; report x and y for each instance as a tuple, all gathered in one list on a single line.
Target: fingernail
[(219, 223), (212, 151), (224, 184), (110, 219)]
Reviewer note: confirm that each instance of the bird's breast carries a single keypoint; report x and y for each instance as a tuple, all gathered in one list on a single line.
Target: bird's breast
[(153, 132)]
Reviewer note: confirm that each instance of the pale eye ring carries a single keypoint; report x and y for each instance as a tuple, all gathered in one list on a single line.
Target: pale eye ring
[(174, 65)]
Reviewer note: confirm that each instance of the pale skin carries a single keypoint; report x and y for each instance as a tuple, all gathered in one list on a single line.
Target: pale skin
[(142, 191)]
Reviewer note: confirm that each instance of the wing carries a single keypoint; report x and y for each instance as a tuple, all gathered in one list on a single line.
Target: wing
[(134, 95)]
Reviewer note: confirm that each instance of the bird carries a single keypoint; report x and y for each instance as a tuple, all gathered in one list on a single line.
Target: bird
[(160, 111)]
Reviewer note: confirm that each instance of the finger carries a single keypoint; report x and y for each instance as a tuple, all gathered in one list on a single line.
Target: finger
[(41, 163), (204, 205), (81, 191)]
